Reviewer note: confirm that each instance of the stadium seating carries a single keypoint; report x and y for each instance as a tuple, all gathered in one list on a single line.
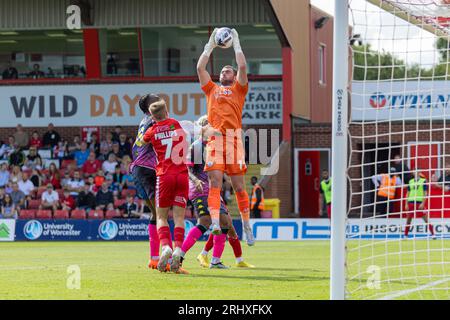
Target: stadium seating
[(40, 191), (111, 214), (96, 214), (66, 164), (78, 214), (27, 214), (126, 192), (34, 204), (61, 214), (119, 202), (44, 214)]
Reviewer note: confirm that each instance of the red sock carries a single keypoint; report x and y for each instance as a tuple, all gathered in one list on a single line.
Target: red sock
[(210, 243), (178, 237), (407, 230), (165, 236), (430, 227), (236, 245)]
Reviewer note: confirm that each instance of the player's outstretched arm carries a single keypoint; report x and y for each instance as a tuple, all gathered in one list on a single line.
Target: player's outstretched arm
[(240, 59), (203, 75)]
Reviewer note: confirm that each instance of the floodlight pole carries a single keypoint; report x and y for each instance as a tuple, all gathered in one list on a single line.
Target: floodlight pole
[(339, 152)]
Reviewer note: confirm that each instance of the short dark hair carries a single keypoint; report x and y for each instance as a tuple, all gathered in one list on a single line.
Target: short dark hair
[(147, 100), (230, 67)]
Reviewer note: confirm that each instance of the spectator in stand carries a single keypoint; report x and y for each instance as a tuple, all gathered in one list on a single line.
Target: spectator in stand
[(3, 149), (25, 185), (54, 176), (114, 188), (61, 151), (65, 180), (36, 141), (108, 143), (109, 166), (8, 208), (86, 199), (17, 158), (75, 185), (124, 145), (75, 145), (92, 165), (4, 174), (94, 145), (37, 178), (16, 174), (104, 198), (2, 193), (144, 211), (125, 164), (36, 73), (129, 209), (117, 178), (7, 148), (68, 202), (127, 181), (18, 197), (32, 160), (116, 134), (49, 199), (104, 153), (51, 137), (10, 73), (116, 151), (21, 137), (99, 179), (92, 187), (82, 155)]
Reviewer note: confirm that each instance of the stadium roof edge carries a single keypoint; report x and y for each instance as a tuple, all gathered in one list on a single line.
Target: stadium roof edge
[(417, 21)]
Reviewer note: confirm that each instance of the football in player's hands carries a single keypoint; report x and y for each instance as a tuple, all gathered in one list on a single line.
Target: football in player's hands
[(224, 38)]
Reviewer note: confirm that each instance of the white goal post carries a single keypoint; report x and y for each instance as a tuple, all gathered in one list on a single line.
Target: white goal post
[(391, 92)]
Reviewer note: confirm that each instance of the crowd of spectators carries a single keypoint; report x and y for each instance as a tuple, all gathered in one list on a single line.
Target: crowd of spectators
[(11, 73), (86, 175)]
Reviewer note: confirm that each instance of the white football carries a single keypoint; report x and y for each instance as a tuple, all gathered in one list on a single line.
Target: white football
[(224, 38)]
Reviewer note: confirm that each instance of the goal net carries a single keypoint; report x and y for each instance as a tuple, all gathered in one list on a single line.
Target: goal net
[(398, 165)]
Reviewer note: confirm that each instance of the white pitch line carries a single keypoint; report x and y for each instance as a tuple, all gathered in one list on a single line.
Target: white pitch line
[(423, 287)]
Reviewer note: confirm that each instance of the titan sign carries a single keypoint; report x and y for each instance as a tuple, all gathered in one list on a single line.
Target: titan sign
[(117, 104), (395, 100)]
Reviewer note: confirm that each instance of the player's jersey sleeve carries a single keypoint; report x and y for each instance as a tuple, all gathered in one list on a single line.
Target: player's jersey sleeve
[(242, 90), (148, 135), (208, 87)]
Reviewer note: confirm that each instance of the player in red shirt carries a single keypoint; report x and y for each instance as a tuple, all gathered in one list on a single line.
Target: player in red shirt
[(172, 181)]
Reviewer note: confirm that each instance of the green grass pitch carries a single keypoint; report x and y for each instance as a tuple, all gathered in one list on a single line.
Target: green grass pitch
[(285, 271)]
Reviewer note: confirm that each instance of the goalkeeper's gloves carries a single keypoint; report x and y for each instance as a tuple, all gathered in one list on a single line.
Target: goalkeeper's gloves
[(236, 42), (209, 47)]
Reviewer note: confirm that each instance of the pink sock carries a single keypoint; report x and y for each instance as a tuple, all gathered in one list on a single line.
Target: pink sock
[(154, 240), (219, 245), (209, 243), (191, 239)]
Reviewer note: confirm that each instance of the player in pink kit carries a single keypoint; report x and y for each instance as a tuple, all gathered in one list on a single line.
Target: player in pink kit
[(172, 181), (143, 170)]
